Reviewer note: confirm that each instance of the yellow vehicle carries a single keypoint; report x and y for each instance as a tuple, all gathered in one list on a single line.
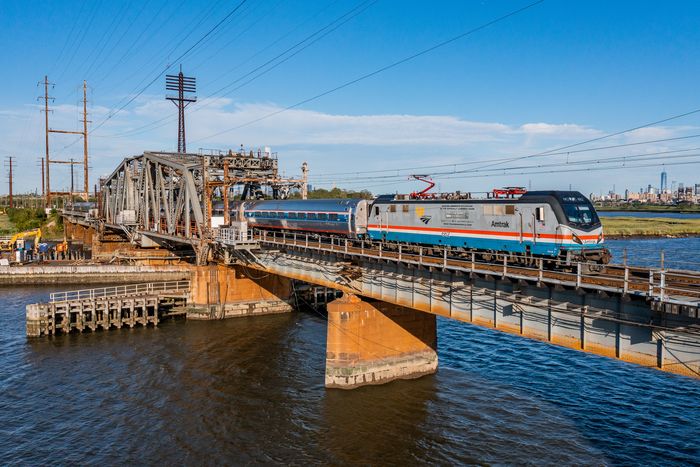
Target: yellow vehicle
[(9, 244)]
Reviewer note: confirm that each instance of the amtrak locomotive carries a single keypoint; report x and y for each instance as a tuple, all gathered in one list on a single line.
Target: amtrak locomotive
[(561, 225)]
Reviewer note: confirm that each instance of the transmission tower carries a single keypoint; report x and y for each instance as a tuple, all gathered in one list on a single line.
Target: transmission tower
[(182, 84)]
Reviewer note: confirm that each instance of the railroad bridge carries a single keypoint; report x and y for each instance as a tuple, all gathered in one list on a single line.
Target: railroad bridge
[(158, 208)]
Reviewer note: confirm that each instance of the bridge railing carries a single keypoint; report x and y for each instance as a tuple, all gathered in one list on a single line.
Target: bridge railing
[(120, 290), (655, 283)]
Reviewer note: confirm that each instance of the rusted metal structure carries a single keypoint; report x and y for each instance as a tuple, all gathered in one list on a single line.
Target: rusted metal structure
[(167, 198)]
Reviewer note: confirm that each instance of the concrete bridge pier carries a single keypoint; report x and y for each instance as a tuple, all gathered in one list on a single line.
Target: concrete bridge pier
[(374, 342), (219, 292)]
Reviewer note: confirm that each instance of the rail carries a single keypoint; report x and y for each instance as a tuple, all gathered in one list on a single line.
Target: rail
[(665, 285), (119, 290)]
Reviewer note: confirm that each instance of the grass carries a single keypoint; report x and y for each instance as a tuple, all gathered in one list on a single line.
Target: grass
[(6, 226), (652, 227), (19, 220)]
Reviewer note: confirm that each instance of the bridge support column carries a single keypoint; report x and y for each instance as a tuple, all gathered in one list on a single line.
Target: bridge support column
[(219, 292), (373, 342)]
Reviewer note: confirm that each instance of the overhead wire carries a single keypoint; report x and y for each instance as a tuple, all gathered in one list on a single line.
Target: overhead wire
[(130, 48), (167, 67), (377, 71), (623, 158), (324, 31), (410, 170)]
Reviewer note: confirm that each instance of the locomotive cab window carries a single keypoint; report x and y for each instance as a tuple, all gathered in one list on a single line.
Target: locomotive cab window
[(539, 213), (376, 210)]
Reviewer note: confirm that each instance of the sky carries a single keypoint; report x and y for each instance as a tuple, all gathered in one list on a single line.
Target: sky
[(473, 113)]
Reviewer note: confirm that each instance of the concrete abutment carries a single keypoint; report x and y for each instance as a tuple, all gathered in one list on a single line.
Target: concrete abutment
[(373, 342)]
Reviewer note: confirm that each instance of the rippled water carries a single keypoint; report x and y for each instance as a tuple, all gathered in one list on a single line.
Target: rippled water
[(678, 253), (646, 214), (250, 390)]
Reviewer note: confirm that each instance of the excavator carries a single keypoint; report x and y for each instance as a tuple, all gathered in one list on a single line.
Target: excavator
[(10, 243)]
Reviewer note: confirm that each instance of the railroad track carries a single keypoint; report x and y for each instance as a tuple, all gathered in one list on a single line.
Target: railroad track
[(626, 279)]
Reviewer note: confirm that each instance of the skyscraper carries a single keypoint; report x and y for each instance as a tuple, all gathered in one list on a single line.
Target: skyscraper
[(664, 181)]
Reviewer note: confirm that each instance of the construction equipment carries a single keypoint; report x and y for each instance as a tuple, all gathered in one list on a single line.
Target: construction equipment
[(62, 247), (11, 244)]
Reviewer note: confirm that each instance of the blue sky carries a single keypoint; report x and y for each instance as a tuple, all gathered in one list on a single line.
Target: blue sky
[(558, 73)]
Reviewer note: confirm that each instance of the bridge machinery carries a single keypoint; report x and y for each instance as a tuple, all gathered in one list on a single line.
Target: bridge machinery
[(166, 199)]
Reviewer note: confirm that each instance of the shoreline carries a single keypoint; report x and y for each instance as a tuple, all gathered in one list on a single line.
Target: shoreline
[(92, 274), (655, 211), (647, 236)]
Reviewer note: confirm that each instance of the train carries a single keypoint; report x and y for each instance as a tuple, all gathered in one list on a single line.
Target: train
[(559, 226)]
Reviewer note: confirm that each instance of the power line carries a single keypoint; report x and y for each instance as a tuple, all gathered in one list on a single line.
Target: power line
[(478, 161), (589, 169), (182, 55), (343, 19), (380, 70), (599, 138), (625, 159)]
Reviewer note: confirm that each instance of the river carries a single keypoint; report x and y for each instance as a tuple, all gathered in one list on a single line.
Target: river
[(250, 390), (647, 214)]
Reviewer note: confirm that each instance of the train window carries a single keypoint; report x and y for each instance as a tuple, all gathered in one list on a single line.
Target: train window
[(322, 216), (292, 215), (405, 208), (539, 213), (510, 209), (392, 208), (376, 210), (311, 216), (494, 209), (302, 215), (333, 217)]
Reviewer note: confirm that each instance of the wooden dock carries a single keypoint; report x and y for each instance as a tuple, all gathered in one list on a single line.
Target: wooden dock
[(107, 308)]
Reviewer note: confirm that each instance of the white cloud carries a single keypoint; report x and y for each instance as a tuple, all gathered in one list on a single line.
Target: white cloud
[(329, 142)]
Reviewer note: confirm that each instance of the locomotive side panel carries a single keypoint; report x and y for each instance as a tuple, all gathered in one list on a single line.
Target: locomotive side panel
[(510, 227)]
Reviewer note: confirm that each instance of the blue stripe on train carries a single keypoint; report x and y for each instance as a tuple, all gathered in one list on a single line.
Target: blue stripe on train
[(513, 246)]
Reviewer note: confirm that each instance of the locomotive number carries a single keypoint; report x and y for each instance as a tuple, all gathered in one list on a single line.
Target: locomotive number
[(445, 234)]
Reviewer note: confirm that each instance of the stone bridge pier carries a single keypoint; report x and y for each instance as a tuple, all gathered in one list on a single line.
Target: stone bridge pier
[(374, 342)]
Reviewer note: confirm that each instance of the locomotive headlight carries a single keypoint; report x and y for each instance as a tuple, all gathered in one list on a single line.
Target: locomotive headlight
[(577, 240)]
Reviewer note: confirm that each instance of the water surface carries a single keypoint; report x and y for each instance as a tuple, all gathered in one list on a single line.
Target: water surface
[(250, 390)]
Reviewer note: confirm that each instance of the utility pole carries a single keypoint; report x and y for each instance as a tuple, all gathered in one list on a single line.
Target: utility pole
[(72, 183), (86, 182), (182, 84), (46, 116), (43, 185), (84, 134), (10, 163)]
